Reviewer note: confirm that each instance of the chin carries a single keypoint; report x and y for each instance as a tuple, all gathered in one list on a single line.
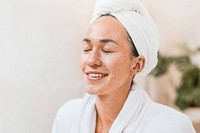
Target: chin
[(92, 90)]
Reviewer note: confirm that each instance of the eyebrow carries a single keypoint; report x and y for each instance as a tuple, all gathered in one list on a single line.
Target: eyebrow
[(87, 40), (107, 41), (101, 41)]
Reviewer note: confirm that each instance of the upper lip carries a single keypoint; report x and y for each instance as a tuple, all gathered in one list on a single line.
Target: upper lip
[(95, 72)]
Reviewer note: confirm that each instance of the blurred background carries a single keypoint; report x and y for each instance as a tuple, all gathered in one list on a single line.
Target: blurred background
[(39, 59)]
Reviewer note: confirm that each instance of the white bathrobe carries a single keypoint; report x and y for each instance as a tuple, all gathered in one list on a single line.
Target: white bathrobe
[(138, 115)]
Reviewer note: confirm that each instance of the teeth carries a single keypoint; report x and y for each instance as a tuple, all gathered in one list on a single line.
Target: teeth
[(94, 75)]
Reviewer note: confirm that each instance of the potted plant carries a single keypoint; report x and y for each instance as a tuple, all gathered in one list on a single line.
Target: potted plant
[(188, 91)]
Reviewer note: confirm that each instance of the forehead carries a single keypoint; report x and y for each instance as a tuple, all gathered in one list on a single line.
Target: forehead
[(106, 27)]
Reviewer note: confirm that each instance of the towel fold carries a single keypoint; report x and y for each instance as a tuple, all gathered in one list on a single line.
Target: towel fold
[(138, 115), (138, 23)]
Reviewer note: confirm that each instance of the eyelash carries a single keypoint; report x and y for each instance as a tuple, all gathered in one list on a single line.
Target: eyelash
[(107, 51), (87, 50)]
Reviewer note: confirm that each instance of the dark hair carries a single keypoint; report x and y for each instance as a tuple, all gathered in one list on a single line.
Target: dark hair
[(134, 51)]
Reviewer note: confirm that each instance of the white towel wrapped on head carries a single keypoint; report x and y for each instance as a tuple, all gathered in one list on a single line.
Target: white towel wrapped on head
[(138, 23)]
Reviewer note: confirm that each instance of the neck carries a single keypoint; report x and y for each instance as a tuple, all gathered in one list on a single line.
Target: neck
[(108, 108)]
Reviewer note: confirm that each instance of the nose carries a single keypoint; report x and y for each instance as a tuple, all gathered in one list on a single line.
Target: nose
[(94, 60)]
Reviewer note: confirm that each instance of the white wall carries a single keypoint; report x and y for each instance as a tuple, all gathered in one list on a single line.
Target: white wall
[(39, 60), (178, 22), (39, 54)]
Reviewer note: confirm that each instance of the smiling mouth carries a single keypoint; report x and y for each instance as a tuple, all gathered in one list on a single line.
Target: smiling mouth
[(96, 75)]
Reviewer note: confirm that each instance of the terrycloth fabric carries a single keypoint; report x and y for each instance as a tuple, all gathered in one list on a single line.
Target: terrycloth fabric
[(138, 115), (138, 23)]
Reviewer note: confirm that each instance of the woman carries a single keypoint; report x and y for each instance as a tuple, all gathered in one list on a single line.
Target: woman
[(121, 42)]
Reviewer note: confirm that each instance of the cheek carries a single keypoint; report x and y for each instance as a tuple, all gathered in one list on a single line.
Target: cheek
[(120, 66), (83, 59)]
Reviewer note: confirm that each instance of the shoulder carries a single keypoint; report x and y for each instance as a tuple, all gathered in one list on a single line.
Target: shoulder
[(70, 113), (70, 107), (74, 107), (166, 119)]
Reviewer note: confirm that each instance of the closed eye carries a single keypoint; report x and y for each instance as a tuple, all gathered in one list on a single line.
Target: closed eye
[(109, 48), (107, 51), (86, 50), (87, 46)]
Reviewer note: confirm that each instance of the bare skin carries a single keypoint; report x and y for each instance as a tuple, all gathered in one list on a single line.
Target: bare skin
[(108, 108), (108, 68)]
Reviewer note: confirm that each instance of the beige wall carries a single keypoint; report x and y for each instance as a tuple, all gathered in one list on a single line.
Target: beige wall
[(39, 60), (178, 22), (39, 54)]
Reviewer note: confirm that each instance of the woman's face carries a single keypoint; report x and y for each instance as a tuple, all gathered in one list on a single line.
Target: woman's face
[(106, 60)]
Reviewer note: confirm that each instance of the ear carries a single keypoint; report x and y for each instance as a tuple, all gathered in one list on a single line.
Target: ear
[(138, 64)]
